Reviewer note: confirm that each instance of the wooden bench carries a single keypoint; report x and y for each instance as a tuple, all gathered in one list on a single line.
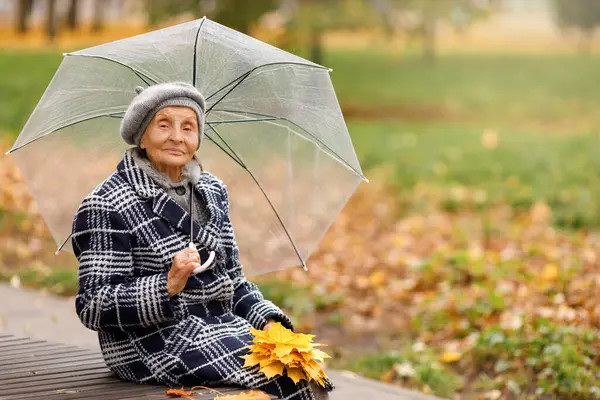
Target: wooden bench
[(36, 369)]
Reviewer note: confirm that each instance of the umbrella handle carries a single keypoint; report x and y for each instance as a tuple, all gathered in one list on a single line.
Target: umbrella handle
[(206, 264)]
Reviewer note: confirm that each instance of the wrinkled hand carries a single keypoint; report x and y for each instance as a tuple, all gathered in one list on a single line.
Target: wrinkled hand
[(183, 264), (268, 325)]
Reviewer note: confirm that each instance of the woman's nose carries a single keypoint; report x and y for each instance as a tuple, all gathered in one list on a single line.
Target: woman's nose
[(177, 135)]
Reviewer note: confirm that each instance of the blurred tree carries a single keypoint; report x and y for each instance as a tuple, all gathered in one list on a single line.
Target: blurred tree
[(583, 15), (421, 18), (24, 8), (51, 19), (98, 18), (236, 14), (161, 10), (72, 14), (309, 20), (241, 14)]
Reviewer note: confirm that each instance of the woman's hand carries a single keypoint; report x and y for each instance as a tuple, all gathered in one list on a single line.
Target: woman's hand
[(184, 263), (268, 325)]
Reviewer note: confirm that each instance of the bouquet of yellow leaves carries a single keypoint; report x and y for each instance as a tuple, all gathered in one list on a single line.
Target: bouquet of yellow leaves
[(279, 349)]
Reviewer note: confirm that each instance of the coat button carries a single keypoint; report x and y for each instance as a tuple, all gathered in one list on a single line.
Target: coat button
[(180, 190)]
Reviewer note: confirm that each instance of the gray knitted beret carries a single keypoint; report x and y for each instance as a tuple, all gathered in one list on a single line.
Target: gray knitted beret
[(152, 99)]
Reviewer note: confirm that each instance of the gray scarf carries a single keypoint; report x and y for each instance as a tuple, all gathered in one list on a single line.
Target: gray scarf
[(179, 191)]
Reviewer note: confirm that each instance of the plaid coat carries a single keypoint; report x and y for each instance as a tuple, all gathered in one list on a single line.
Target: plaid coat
[(125, 234)]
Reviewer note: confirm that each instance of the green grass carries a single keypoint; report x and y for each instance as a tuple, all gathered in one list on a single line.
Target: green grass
[(420, 369), (293, 297), (23, 79), (525, 167), (502, 87), (58, 281), (552, 360)]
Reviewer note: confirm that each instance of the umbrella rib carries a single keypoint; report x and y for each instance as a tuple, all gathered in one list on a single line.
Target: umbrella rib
[(233, 156), (112, 115), (140, 74), (196, 49), (270, 203), (63, 244), (242, 77), (235, 121), (316, 139)]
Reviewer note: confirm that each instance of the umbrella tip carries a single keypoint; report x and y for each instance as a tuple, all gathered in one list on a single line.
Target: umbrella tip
[(330, 69), (8, 152)]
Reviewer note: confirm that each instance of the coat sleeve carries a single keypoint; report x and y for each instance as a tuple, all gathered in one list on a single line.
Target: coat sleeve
[(248, 301), (110, 298)]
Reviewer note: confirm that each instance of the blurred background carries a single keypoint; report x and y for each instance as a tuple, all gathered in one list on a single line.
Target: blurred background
[(468, 267)]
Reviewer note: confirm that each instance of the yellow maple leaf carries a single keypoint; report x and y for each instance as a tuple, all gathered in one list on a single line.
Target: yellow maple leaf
[(296, 374), (282, 335), (247, 395), (265, 348), (314, 372), (450, 356), (319, 355), (280, 349), (261, 336), (273, 369), (292, 357), (253, 359), (550, 273), (283, 350)]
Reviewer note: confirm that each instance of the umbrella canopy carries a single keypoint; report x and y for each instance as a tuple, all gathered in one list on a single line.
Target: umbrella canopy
[(275, 134)]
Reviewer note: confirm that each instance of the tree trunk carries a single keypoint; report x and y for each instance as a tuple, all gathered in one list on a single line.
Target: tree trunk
[(72, 15), (23, 12), (51, 19), (585, 43), (98, 23), (429, 38), (316, 45), (152, 12)]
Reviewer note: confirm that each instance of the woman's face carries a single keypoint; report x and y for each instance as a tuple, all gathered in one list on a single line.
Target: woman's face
[(171, 138)]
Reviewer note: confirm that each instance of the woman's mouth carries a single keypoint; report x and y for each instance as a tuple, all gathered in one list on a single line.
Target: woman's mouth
[(175, 152)]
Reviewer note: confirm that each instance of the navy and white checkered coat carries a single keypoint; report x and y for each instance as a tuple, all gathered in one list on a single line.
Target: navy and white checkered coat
[(125, 235)]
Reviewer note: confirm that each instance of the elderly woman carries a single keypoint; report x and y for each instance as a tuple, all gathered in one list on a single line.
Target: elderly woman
[(157, 322)]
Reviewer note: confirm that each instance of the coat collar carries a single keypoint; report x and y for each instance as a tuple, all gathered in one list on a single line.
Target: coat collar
[(164, 206)]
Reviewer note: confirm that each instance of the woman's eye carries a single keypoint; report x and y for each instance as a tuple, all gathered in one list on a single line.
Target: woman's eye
[(163, 125)]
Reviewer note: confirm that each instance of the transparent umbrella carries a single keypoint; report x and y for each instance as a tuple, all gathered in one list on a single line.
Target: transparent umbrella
[(275, 134)]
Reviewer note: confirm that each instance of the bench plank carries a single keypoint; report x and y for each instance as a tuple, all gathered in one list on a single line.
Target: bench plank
[(74, 376), (39, 355), (31, 369), (34, 347)]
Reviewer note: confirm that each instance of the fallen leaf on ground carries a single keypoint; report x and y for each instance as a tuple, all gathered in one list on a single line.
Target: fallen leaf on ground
[(178, 393), (247, 395), (450, 356)]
